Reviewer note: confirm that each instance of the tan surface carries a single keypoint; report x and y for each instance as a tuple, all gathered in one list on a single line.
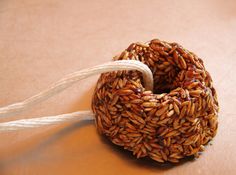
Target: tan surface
[(40, 41)]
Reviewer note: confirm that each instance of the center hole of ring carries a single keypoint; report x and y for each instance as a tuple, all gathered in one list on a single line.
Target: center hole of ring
[(164, 76), (160, 57)]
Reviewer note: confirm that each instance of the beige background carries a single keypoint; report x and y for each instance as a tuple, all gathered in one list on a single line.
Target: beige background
[(42, 40)]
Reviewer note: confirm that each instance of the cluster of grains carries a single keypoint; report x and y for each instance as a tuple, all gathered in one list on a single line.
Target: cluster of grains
[(175, 120)]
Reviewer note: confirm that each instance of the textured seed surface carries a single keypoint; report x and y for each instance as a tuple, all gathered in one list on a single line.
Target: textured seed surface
[(175, 120)]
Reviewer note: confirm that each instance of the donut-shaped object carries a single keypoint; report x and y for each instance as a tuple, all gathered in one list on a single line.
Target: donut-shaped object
[(175, 120)]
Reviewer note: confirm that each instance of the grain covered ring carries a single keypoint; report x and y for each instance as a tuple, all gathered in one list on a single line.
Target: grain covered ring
[(175, 120)]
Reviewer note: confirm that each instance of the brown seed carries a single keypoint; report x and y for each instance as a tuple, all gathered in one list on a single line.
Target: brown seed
[(183, 111), (162, 110), (149, 148), (172, 133), (176, 123), (149, 104), (154, 145), (169, 114), (139, 119), (173, 160), (176, 108), (143, 148), (134, 135), (130, 126), (136, 101), (115, 99), (125, 92), (182, 62), (163, 155), (195, 93), (156, 157), (162, 133), (190, 140), (163, 121), (192, 85)]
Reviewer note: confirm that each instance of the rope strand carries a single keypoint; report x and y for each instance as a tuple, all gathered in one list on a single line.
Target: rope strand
[(70, 79), (61, 85), (43, 121)]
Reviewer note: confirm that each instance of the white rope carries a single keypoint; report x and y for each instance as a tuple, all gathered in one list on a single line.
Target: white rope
[(70, 79), (49, 120), (61, 85)]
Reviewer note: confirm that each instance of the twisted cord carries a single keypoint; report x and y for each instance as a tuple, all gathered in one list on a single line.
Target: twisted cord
[(61, 85), (43, 121)]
